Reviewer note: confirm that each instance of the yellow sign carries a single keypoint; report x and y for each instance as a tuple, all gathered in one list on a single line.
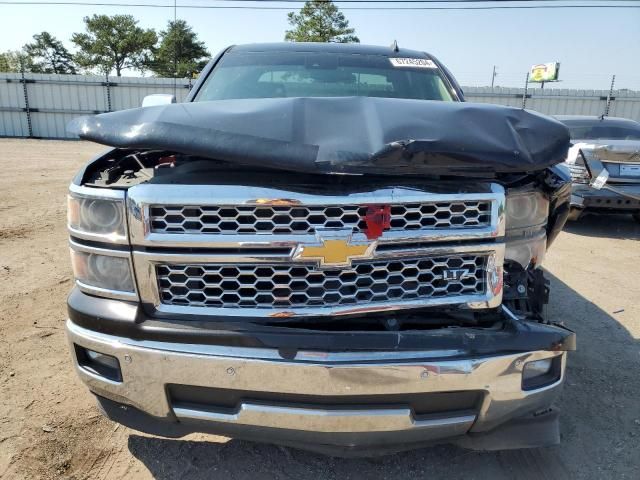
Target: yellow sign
[(334, 252), (544, 72)]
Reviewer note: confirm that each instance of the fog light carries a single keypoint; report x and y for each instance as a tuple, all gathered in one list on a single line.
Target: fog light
[(98, 363), (540, 373), (537, 368), (102, 359)]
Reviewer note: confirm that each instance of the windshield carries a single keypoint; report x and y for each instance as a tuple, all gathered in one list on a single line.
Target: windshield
[(602, 131), (287, 74)]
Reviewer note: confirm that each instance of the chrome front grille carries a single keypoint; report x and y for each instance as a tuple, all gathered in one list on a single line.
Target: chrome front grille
[(306, 219), (290, 286), (229, 250)]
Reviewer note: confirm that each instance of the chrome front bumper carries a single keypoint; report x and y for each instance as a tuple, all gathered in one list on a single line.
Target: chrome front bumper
[(149, 367)]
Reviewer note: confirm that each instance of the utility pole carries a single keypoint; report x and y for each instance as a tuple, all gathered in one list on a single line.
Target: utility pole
[(493, 76)]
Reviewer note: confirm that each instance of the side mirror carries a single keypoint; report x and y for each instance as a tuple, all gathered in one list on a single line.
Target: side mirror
[(158, 99)]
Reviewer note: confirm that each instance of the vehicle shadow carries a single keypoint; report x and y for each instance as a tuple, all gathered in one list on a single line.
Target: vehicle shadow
[(605, 226), (600, 426)]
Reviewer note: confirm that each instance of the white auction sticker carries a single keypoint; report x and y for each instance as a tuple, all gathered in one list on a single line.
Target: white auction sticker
[(412, 62), (601, 179)]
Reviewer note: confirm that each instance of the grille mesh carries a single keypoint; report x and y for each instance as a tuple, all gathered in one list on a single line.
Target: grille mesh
[(305, 219), (268, 286)]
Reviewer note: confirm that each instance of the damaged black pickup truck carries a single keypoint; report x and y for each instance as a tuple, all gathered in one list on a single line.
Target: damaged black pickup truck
[(323, 247)]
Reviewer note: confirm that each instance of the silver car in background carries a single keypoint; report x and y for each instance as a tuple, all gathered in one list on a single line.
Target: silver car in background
[(604, 164)]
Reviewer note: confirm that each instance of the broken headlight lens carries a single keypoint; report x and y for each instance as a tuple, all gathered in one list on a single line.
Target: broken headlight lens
[(94, 271), (527, 251), (526, 217), (96, 218), (526, 210)]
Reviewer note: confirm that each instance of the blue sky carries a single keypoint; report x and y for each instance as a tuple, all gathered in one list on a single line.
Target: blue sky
[(590, 44)]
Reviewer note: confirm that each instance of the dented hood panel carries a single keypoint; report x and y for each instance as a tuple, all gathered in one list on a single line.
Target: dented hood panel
[(359, 135)]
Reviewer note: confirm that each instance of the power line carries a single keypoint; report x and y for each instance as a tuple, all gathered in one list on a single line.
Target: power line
[(418, 1), (255, 7)]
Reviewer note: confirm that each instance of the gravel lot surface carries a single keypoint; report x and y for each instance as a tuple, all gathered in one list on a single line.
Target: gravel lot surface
[(50, 428)]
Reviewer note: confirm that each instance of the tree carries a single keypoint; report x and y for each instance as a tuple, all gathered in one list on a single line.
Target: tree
[(10, 61), (114, 43), (49, 55), (180, 52), (14, 61), (320, 21)]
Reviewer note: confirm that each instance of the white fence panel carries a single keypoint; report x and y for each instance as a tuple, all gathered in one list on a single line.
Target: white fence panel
[(12, 95), (626, 105), (560, 101), (54, 100)]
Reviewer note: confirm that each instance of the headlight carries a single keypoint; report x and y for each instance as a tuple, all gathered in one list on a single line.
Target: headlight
[(97, 218), (96, 273), (526, 210), (525, 219), (527, 251)]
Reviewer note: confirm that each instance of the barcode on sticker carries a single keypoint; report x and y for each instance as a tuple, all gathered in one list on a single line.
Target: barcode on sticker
[(412, 62)]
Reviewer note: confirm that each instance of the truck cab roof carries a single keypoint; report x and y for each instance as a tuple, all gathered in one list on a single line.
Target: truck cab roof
[(317, 47)]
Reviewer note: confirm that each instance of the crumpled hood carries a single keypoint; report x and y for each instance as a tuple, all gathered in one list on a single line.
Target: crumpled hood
[(360, 135)]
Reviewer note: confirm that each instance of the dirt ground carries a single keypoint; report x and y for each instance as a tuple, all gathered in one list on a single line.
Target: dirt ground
[(50, 428)]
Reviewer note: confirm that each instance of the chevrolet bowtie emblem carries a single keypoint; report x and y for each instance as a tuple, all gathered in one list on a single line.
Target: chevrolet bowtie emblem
[(335, 251)]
